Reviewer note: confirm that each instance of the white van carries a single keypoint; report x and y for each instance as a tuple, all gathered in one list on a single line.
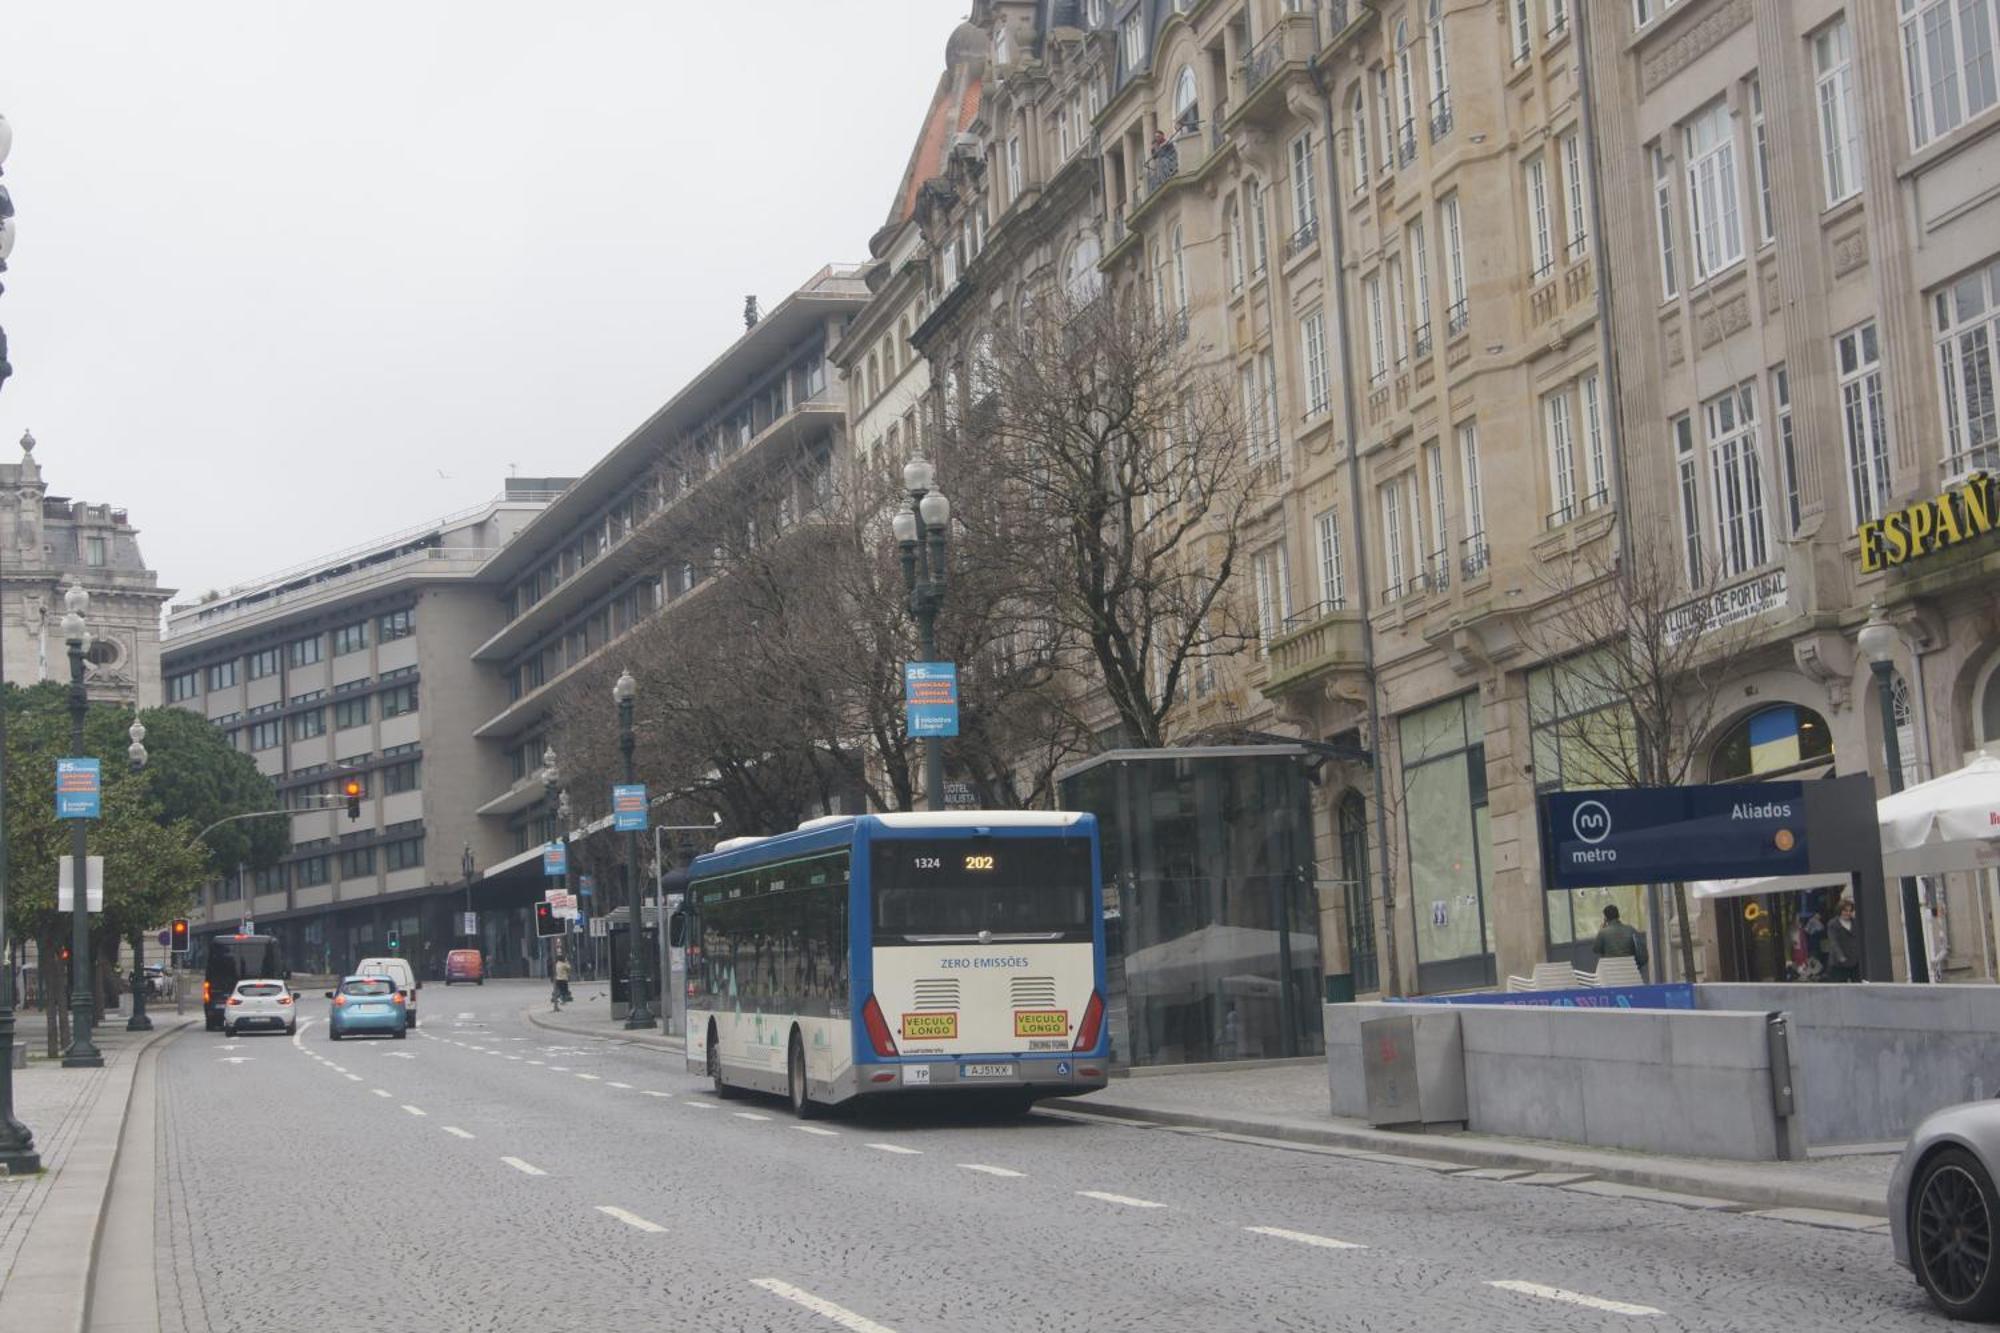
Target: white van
[(399, 971)]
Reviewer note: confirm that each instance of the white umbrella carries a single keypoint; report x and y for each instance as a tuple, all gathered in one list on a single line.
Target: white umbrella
[(1737, 888), (1949, 823)]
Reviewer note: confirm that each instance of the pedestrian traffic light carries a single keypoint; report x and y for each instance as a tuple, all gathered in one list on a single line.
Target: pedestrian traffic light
[(351, 789), (177, 935), (395, 939), (547, 923)]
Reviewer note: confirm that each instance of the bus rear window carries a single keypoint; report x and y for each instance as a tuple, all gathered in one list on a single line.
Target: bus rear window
[(927, 888)]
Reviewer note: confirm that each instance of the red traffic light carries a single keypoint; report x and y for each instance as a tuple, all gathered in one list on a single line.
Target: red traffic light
[(547, 923)]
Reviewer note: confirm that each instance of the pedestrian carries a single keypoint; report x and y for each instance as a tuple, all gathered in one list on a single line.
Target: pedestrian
[(1615, 939), (562, 979), (1843, 945)]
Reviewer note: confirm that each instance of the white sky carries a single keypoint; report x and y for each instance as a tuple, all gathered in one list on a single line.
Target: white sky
[(280, 264)]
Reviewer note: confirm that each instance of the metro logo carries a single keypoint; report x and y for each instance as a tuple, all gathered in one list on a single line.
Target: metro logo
[(931, 1027), (1041, 1023)]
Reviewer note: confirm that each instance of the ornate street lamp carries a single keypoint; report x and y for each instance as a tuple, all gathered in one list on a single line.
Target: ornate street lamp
[(135, 754), (638, 1015), (17, 1141), (82, 1052), (1878, 641), (920, 540)]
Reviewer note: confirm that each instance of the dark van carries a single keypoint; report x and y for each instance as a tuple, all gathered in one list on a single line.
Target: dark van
[(234, 958)]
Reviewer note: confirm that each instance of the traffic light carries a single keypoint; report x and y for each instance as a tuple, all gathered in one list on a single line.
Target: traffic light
[(547, 923), (351, 789), (395, 939), (177, 935)]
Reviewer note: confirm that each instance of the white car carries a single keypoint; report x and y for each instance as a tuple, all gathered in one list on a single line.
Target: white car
[(260, 1004), (399, 971)]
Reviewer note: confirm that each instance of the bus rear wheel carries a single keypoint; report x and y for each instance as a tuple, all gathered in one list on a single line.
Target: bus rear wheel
[(796, 1086)]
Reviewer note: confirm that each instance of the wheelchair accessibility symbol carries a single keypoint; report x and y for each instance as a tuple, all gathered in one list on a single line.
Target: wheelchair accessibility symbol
[(1062, 1069)]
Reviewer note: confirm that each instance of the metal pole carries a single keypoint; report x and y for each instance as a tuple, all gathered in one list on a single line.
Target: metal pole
[(1913, 924), (666, 1015), (933, 745), (639, 1015), (82, 1052), (139, 1022), (17, 1141)]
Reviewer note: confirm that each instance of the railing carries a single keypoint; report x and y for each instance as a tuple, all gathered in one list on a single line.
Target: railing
[(1474, 555), (1264, 59), (1440, 116), (1317, 611), (1576, 509), (1985, 458), (1117, 226), (1178, 324), (1182, 155), (1406, 143), (1215, 132), (1559, 27), (1307, 233), (1421, 341), (1575, 247), (1457, 315)]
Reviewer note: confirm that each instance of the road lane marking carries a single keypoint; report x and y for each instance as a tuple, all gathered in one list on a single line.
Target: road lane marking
[(815, 1129), (338, 1069), (523, 1167), (653, 1092), (701, 1105), (1124, 1199), (1000, 1171), (592, 1077), (897, 1148), (414, 1110), (626, 1086), (353, 1078), (750, 1115), (1306, 1238), (537, 1062), (1575, 1298), (456, 1132), (379, 1092), (629, 1219), (560, 1069), (819, 1305), (513, 1057)]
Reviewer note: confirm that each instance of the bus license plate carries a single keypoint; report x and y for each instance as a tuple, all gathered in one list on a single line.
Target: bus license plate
[(989, 1071)]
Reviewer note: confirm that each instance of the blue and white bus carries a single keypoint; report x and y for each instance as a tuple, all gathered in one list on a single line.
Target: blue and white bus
[(901, 953)]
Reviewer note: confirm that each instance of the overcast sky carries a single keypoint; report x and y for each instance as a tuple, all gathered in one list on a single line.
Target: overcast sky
[(282, 264)]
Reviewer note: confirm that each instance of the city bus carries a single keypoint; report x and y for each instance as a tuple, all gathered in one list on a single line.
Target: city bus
[(882, 955)]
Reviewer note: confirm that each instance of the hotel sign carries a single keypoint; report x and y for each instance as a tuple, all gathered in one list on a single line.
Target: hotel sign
[(1929, 526)]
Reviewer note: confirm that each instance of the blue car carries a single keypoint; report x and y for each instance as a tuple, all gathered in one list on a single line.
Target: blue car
[(368, 1004)]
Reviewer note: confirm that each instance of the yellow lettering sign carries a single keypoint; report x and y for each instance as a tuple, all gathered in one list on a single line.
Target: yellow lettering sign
[(1929, 526)]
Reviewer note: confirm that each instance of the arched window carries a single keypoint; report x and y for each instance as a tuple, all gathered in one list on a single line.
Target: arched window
[(1233, 238), (1770, 741), (874, 376), (888, 362), (1187, 105)]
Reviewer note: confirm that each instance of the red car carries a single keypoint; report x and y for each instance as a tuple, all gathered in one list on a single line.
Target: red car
[(465, 965)]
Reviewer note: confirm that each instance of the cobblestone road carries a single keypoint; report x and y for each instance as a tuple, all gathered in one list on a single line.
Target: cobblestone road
[(486, 1174)]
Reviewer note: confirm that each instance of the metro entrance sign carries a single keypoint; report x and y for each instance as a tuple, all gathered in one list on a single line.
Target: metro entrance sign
[(1658, 835)]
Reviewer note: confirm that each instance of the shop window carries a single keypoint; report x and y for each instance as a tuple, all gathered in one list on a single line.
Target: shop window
[(1449, 833)]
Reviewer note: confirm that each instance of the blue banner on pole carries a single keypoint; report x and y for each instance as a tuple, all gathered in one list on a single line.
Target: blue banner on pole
[(628, 807), (930, 698), (555, 860), (78, 789), (585, 885)]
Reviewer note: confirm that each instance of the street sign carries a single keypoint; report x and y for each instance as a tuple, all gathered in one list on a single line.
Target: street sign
[(1658, 835), (600, 928), (166, 938), (930, 698), (66, 884), (78, 789), (555, 860), (468, 923), (628, 807), (586, 885)]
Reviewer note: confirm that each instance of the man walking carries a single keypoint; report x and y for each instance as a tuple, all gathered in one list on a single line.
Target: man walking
[(1843, 945), (1615, 939)]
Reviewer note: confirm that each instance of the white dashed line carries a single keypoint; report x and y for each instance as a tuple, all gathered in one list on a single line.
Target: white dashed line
[(1306, 1238), (750, 1115), (414, 1110), (819, 1305), (379, 1092), (653, 1092), (456, 1132), (523, 1167), (629, 1219), (338, 1069), (560, 1069), (1575, 1298), (353, 1078), (815, 1129), (537, 1062), (592, 1077), (701, 1106), (897, 1148), (1000, 1171), (626, 1086), (1125, 1199)]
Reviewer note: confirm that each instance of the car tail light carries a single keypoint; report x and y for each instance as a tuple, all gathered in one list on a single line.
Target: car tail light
[(1093, 1024), (234, 999), (339, 1000), (284, 999), (878, 1028), (400, 999)]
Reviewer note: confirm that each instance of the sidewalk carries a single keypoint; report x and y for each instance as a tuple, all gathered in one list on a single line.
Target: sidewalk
[(49, 1223), (1286, 1106), (589, 1015)]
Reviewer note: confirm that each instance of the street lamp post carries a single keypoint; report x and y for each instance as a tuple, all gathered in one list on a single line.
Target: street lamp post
[(638, 1015), (1877, 641), (82, 1052), (920, 539), (135, 754)]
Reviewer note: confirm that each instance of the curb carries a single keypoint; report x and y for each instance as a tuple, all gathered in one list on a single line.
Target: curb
[(540, 1019), (50, 1285), (1460, 1150)]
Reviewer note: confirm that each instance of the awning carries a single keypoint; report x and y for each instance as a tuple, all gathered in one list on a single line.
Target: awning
[(1738, 888)]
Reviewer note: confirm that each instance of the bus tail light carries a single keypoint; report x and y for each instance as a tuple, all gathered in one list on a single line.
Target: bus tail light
[(1092, 1026), (878, 1029), (208, 992)]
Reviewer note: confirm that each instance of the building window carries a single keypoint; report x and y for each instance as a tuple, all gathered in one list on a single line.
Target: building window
[(395, 625), (403, 854), (1406, 128), (94, 551), (1663, 208), (1305, 211), (1767, 223), (357, 862), (1788, 449), (1839, 131), (1579, 477), (1457, 314), (1235, 242), (265, 735), (222, 675), (1948, 63), (1576, 211), (1736, 480), (1476, 554), (1274, 593), (1132, 41), (1378, 347), (1596, 460), (1520, 29), (1966, 324), (264, 663), (350, 713), (1863, 421), (1556, 429), (1179, 252), (309, 871), (1449, 831), (1420, 282), (1688, 479), (1187, 102), (1440, 73), (406, 776), (1312, 331), (1645, 11), (1713, 210), (308, 724), (399, 701), (1439, 563), (1399, 312), (1357, 118), (1267, 367), (1384, 115), (183, 686), (1393, 570), (350, 638), (1256, 198), (1332, 578), (1541, 246), (1558, 17), (1014, 181), (304, 652)]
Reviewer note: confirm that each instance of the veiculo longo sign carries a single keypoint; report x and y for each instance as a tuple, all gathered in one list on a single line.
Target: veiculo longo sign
[(1660, 834)]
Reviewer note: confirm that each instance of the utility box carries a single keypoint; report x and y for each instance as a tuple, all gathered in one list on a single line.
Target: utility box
[(1413, 1070)]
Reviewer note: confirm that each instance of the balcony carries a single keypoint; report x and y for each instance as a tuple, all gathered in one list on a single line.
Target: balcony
[(1475, 556), (1457, 317), (1441, 121), (1179, 161), (1406, 143), (1576, 509), (1288, 46), (1320, 641), (1299, 241)]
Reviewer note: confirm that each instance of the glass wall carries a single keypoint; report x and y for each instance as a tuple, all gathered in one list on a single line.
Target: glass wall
[(1211, 919), (1450, 843)]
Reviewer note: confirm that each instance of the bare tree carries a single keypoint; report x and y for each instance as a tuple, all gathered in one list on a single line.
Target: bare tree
[(1117, 472)]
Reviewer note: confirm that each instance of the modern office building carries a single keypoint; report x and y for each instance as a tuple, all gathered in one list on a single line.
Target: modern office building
[(360, 664)]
